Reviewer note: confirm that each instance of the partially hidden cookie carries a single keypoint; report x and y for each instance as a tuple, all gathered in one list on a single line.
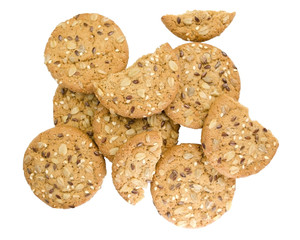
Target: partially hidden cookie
[(63, 167), (198, 26), (134, 165), (111, 130), (205, 72), (187, 190), (234, 144), (75, 109), (83, 48), (145, 88)]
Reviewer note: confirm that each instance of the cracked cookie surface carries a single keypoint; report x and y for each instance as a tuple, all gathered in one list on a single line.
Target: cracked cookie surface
[(145, 88), (187, 190), (205, 72), (75, 109), (198, 26), (111, 130), (234, 144), (134, 164), (63, 167), (85, 47)]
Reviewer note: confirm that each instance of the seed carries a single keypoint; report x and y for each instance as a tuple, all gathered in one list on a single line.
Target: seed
[(212, 124), (130, 132), (125, 82), (62, 149), (133, 72), (173, 175), (79, 187), (110, 33), (74, 110), (140, 156), (53, 43), (99, 33), (66, 172), (135, 81), (197, 19), (72, 70), (171, 81), (178, 20), (132, 109), (187, 156), (188, 21), (229, 155), (71, 45), (132, 166), (60, 38), (173, 66), (141, 92), (129, 97), (113, 151)]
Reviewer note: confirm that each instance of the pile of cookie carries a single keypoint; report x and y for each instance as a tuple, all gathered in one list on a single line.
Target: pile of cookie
[(131, 116)]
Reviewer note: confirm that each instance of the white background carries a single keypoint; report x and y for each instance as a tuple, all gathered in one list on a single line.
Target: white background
[(263, 41)]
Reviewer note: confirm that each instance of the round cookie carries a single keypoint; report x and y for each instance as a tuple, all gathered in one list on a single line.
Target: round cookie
[(187, 191), (111, 130), (63, 167), (198, 26), (75, 109), (83, 48), (206, 72), (145, 88), (234, 144), (134, 165)]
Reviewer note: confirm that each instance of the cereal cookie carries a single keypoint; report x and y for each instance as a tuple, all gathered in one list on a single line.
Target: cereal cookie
[(112, 130), (63, 167), (205, 72), (145, 88), (85, 47), (198, 26), (134, 165), (75, 109), (187, 191), (234, 144)]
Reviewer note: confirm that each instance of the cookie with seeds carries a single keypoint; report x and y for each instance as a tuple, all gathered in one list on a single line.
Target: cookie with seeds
[(85, 47), (198, 26), (234, 144), (75, 109), (111, 130), (205, 73), (63, 167), (187, 190), (145, 88), (134, 164)]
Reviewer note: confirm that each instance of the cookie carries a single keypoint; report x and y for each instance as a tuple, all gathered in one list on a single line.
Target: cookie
[(198, 26), (234, 144), (205, 72), (187, 191), (85, 47), (111, 130), (75, 109), (134, 164), (145, 88), (63, 167)]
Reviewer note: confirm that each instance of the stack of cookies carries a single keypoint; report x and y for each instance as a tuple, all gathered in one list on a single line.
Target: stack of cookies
[(131, 116)]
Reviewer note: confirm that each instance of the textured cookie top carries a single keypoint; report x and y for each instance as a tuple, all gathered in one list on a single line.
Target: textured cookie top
[(198, 26), (205, 73), (63, 167), (75, 109), (112, 130), (134, 165), (145, 88), (85, 47), (187, 191), (234, 144)]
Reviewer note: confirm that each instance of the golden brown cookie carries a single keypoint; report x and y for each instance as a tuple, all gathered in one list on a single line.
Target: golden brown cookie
[(187, 191), (234, 144), (63, 167), (111, 130), (198, 26), (83, 48), (134, 164), (145, 88), (205, 72), (75, 109)]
